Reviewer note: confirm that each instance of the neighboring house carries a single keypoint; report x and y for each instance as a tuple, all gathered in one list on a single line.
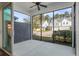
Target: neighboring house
[(56, 25), (64, 24), (44, 25)]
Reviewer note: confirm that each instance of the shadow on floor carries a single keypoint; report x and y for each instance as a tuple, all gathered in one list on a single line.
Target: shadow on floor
[(2, 53)]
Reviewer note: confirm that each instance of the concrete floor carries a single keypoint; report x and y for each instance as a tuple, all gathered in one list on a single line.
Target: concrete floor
[(40, 48)]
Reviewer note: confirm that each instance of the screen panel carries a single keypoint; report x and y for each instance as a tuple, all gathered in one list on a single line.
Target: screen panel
[(47, 26), (36, 27), (63, 26), (22, 27)]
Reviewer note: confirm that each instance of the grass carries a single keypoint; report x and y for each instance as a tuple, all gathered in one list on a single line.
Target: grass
[(57, 39)]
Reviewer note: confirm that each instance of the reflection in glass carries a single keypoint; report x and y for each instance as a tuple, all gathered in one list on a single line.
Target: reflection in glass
[(7, 29), (36, 27)]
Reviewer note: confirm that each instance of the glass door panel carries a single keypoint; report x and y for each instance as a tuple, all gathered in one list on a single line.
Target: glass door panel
[(7, 28), (36, 27), (47, 27), (63, 26)]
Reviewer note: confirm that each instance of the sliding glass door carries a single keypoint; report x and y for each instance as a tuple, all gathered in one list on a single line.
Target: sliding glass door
[(36, 27), (63, 26), (7, 28), (47, 27)]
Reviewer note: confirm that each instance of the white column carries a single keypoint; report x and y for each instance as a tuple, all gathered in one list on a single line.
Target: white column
[(77, 28)]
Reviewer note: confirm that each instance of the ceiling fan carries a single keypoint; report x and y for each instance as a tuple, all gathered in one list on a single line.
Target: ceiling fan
[(38, 4)]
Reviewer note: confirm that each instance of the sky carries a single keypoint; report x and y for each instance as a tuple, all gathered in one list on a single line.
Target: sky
[(21, 16), (50, 14), (62, 11)]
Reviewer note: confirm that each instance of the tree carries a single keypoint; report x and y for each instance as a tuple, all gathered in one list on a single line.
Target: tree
[(62, 15), (27, 21), (46, 17), (36, 21), (56, 16)]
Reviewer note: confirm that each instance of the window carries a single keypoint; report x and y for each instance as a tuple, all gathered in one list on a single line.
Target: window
[(63, 22), (66, 22)]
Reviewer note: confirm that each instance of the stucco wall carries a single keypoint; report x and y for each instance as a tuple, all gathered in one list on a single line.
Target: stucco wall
[(77, 28), (0, 28)]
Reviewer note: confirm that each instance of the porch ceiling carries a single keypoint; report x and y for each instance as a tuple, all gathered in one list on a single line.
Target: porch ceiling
[(27, 5)]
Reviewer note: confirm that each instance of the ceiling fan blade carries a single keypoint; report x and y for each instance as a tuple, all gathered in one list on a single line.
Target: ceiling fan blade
[(38, 7), (43, 5), (32, 6), (34, 2)]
